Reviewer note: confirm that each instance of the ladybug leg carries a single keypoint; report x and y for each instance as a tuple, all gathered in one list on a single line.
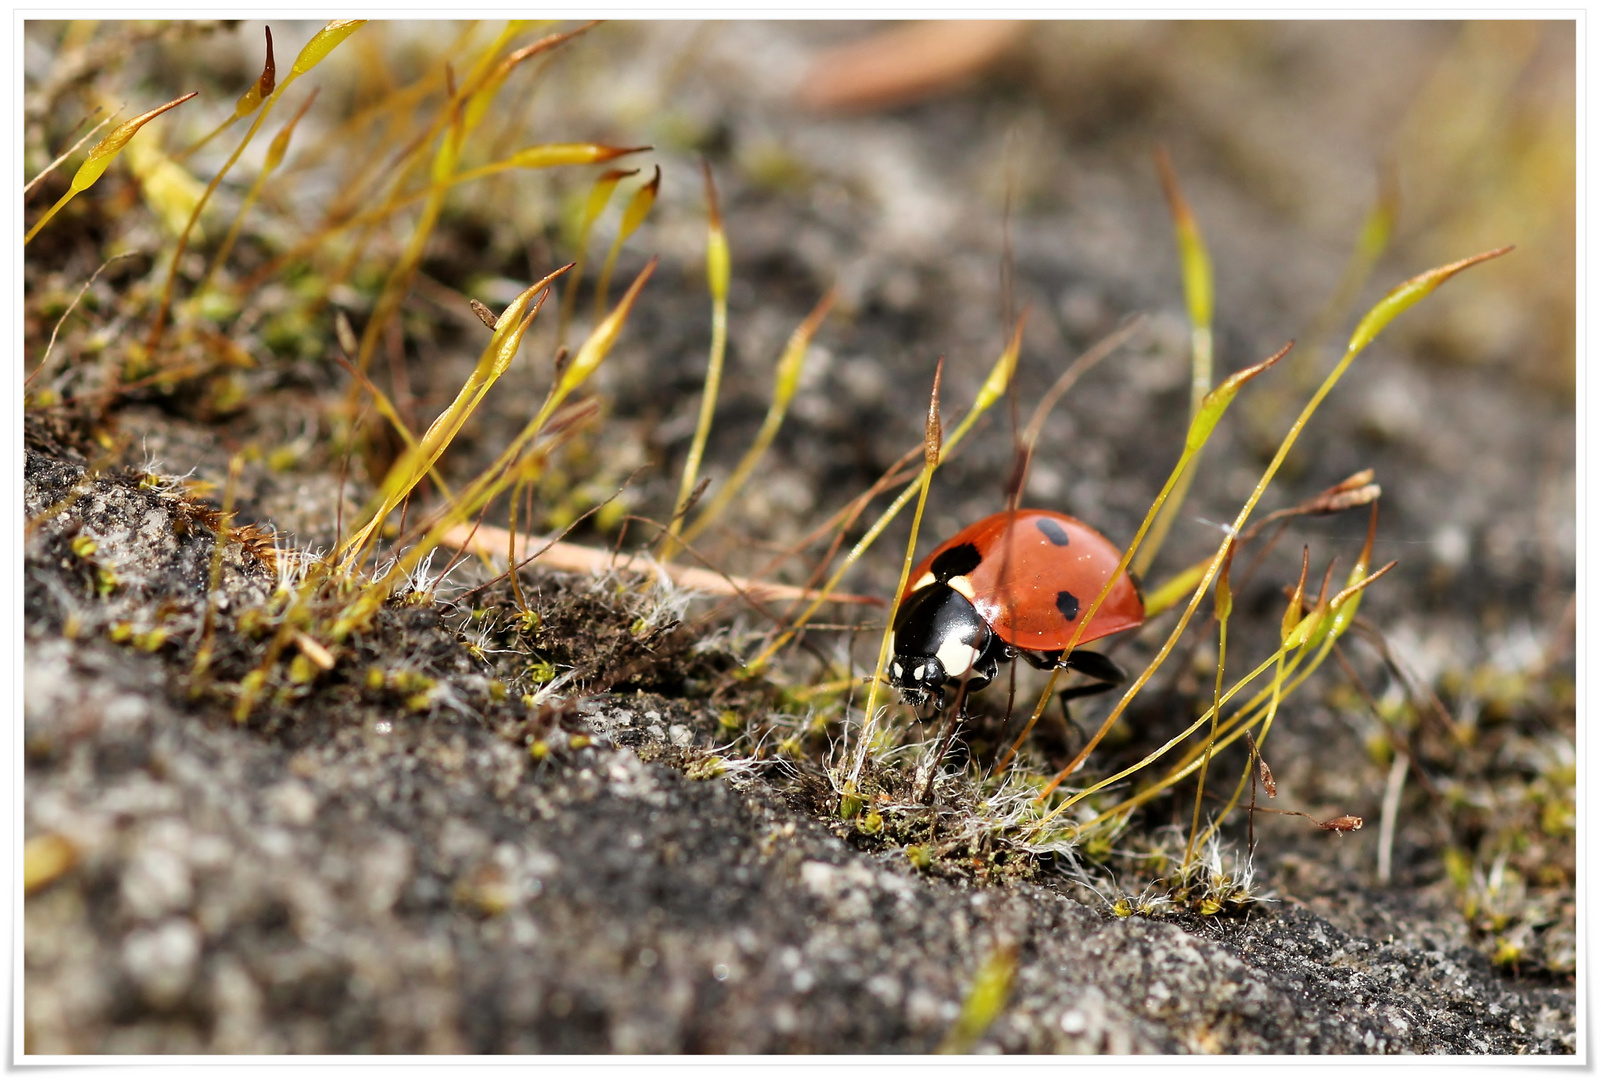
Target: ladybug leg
[(922, 710), (1042, 661), (1098, 667), (1073, 693), (1107, 675), (988, 662), (953, 724), (982, 673)]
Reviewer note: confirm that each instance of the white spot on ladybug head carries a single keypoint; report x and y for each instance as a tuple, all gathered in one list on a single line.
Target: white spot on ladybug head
[(924, 581), (919, 672), (962, 585), (957, 657)]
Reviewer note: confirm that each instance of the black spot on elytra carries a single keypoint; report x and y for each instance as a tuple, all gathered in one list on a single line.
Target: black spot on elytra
[(959, 560), (1053, 532), (1067, 604)]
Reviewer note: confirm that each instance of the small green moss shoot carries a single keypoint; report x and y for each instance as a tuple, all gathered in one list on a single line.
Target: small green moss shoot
[(985, 999), (718, 270)]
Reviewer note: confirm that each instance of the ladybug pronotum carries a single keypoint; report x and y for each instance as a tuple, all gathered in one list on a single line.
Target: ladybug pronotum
[(1014, 584)]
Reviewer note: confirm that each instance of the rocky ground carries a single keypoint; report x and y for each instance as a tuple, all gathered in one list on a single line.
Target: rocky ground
[(397, 855), (426, 889)]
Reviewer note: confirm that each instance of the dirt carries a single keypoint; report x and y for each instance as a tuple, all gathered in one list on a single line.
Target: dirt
[(400, 853)]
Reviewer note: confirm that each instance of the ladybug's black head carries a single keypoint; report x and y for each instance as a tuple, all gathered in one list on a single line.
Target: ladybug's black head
[(940, 640)]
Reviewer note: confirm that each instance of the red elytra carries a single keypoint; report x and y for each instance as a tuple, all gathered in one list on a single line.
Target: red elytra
[(1054, 570)]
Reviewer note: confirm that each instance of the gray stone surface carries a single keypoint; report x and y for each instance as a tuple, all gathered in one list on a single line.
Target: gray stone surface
[(429, 889)]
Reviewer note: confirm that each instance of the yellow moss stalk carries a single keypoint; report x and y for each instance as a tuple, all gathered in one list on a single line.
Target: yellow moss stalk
[(1223, 605), (387, 410), (248, 102), (984, 1001), (634, 214), (1342, 612), (100, 158), (68, 152), (933, 436), (1311, 631), (461, 116), (500, 474), (415, 463), (600, 194), (398, 105), (1355, 490)]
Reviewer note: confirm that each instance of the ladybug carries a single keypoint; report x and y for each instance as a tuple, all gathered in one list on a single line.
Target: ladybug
[(1014, 584)]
